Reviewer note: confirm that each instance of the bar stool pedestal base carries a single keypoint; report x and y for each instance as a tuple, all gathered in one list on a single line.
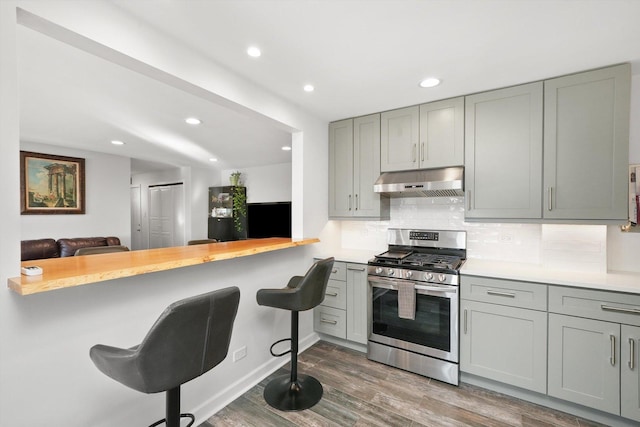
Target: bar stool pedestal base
[(285, 395)]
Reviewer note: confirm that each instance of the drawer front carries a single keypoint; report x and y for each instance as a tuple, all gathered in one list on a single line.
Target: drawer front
[(336, 295), (600, 305), (330, 321), (504, 292), (339, 271)]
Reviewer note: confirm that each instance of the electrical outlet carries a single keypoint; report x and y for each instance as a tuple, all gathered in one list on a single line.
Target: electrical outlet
[(240, 353)]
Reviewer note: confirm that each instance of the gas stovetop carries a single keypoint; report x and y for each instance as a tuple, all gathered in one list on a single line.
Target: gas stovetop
[(421, 255)]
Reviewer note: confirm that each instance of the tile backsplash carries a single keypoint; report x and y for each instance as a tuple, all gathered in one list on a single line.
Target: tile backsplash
[(555, 246)]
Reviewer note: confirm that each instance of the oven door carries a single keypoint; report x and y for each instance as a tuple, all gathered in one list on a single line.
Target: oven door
[(433, 332)]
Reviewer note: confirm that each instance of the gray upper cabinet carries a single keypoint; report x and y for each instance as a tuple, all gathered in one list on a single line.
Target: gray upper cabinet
[(421, 137), (586, 144), (399, 138), (582, 175), (354, 166), (503, 153), (442, 134)]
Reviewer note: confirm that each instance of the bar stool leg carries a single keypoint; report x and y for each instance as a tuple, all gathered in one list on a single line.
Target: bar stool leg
[(290, 392)]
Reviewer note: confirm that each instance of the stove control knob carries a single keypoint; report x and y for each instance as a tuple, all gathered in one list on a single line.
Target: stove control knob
[(390, 271), (429, 276), (408, 274), (441, 277), (378, 270)]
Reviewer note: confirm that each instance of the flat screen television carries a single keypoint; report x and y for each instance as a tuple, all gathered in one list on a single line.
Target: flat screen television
[(268, 220)]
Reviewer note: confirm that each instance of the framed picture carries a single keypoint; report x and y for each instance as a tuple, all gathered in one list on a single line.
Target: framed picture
[(51, 184)]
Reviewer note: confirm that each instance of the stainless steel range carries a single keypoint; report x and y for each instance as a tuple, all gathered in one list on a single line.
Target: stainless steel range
[(413, 315)]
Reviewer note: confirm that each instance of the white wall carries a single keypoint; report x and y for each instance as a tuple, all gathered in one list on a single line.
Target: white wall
[(107, 209), (46, 376), (270, 183)]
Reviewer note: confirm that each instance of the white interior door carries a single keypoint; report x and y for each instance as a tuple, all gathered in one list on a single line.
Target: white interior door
[(166, 216)]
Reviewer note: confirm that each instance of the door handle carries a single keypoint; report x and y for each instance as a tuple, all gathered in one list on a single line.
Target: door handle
[(550, 192), (632, 353), (612, 359), (331, 294), (465, 321), (422, 152)]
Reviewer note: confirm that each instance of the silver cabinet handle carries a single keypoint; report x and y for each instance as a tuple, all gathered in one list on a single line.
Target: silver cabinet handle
[(357, 202), (612, 338), (501, 293), (334, 271), (632, 353), (465, 321), (355, 269), (468, 200), (331, 294), (620, 309), (331, 322), (349, 201), (550, 206), (422, 152)]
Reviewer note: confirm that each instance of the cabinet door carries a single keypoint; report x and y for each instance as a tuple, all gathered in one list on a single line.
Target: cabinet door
[(442, 133), (630, 373), (341, 168), (505, 344), (399, 136), (357, 305), (584, 362), (503, 153), (366, 169), (586, 144)]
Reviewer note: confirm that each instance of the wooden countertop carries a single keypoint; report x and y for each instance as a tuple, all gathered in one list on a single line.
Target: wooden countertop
[(75, 271)]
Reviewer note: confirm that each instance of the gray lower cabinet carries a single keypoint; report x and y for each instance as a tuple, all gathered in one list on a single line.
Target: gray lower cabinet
[(593, 346), (343, 313), (504, 331)]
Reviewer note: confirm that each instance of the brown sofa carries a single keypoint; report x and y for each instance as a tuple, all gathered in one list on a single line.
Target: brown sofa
[(50, 248)]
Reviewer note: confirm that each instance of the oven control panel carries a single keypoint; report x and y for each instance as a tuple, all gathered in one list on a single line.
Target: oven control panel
[(413, 275), (424, 235)]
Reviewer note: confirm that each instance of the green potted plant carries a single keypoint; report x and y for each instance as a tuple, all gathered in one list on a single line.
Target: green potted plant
[(239, 207), (234, 178)]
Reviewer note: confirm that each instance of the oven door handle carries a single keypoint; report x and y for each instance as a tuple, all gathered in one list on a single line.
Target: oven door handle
[(391, 284)]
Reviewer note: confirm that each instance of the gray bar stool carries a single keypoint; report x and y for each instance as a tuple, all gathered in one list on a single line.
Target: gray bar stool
[(296, 392), (190, 337)]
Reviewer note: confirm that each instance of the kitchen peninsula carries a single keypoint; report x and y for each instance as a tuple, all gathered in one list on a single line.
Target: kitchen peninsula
[(75, 271)]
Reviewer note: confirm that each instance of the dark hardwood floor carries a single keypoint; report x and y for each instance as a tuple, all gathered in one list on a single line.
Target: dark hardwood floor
[(359, 392)]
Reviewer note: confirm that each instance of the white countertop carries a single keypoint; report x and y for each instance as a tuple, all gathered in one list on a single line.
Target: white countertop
[(349, 255), (619, 281)]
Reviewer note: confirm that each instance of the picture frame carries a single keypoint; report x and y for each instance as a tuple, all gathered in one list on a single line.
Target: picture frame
[(51, 184)]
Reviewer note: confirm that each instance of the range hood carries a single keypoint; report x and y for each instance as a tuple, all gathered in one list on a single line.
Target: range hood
[(442, 182)]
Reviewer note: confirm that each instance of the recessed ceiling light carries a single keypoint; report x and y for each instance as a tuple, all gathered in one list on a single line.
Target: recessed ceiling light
[(308, 88), (192, 121), (254, 52), (430, 82), (115, 142), (286, 148), (213, 159)]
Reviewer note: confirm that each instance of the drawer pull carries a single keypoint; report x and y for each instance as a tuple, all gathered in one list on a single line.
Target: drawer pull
[(501, 293), (620, 309), (331, 294), (355, 269), (632, 353), (334, 271), (331, 322), (612, 338)]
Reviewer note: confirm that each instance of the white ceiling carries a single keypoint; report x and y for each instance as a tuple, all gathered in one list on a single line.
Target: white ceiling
[(363, 56)]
